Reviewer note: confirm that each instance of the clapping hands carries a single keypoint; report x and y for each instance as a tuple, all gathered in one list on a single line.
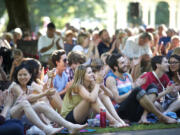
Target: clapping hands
[(51, 73)]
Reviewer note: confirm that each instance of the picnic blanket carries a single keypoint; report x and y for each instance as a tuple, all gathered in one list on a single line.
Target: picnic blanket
[(65, 131)]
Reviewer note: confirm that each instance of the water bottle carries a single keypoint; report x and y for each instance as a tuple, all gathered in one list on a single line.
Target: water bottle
[(103, 118)]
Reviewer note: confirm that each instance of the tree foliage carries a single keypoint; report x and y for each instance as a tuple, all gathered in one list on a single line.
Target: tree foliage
[(162, 13), (61, 11), (2, 7), (134, 14)]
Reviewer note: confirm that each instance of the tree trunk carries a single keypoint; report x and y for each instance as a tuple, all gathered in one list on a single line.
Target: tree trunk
[(18, 14)]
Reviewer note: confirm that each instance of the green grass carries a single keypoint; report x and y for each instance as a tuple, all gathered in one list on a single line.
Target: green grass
[(132, 128), (136, 127)]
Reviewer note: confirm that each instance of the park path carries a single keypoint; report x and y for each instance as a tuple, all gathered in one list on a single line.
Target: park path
[(172, 131)]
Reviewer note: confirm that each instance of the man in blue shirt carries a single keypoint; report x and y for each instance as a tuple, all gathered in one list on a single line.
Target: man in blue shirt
[(60, 81)]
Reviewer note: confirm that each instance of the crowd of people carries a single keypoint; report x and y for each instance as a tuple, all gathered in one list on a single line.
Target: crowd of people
[(79, 72)]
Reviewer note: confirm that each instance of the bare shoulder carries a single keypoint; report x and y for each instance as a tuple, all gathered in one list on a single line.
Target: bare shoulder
[(110, 81), (80, 87), (77, 88)]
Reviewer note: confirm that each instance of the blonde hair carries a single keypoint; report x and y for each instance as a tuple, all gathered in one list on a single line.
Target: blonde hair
[(78, 79)]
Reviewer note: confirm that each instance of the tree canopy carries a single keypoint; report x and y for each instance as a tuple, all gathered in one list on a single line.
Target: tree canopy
[(28, 13), (162, 13), (61, 11)]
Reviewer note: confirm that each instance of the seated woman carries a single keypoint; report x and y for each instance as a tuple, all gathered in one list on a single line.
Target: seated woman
[(8, 127), (172, 101), (83, 96), (105, 94), (18, 58), (37, 84), (22, 96)]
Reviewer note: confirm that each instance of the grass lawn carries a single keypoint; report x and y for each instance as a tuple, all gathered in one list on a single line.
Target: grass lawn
[(132, 128)]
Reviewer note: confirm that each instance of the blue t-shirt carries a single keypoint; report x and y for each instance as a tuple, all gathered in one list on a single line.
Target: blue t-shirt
[(165, 40), (60, 82)]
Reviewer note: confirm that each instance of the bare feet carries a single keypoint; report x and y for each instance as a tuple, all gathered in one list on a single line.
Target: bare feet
[(124, 124), (167, 120), (52, 131), (76, 128), (119, 125), (126, 121), (143, 121)]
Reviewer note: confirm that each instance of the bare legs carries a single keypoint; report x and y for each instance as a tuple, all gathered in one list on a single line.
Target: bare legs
[(108, 104), (56, 102), (143, 120), (147, 104), (174, 106), (52, 115), (25, 107), (82, 109)]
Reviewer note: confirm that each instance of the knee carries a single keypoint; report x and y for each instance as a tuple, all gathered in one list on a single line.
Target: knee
[(41, 105), (25, 103)]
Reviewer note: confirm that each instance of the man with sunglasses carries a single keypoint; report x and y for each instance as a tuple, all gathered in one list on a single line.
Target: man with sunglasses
[(60, 81)]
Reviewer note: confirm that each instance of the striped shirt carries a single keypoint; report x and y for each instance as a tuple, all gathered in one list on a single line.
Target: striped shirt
[(123, 85)]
